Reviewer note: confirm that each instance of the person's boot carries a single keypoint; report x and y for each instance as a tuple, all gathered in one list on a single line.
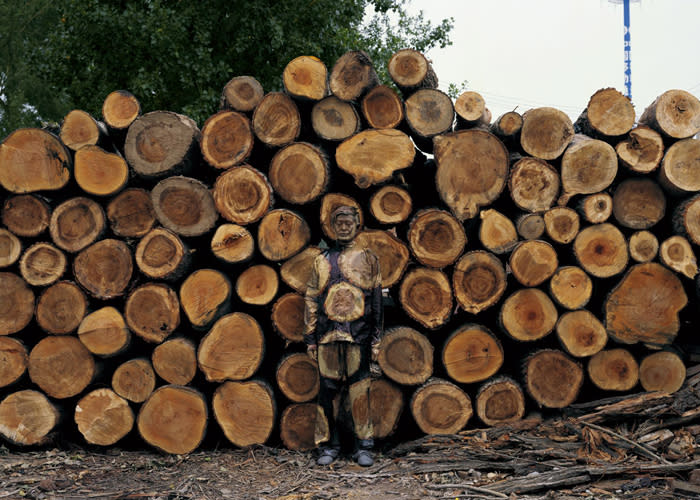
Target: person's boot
[(328, 455), (363, 455)]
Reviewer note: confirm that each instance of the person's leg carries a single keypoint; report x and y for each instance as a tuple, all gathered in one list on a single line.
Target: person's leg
[(359, 396), (328, 388)]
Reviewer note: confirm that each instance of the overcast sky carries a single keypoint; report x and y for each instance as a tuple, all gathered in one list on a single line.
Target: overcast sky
[(532, 53)]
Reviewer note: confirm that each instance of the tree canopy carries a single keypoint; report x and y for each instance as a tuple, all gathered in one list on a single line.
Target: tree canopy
[(178, 55)]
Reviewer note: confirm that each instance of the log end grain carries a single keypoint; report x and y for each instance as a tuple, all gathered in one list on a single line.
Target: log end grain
[(472, 354)]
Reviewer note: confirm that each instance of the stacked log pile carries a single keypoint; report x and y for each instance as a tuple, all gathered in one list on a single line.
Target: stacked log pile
[(153, 270)]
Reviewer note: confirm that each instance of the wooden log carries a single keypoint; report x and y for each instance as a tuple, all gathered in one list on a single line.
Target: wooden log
[(641, 151), (571, 287), (638, 203), (227, 139), (162, 143), (242, 195), (205, 297), (245, 411), (76, 223), (609, 114), (104, 268), (282, 234), (104, 332), (26, 215), (61, 366), (99, 172), (382, 107), (242, 93), (299, 173), (334, 120), (175, 360), (119, 110), (152, 312), (288, 317), (297, 377), (686, 219), (16, 304), (478, 280), (33, 160), (406, 356), (103, 417), (61, 308), (429, 112), (546, 133), (676, 253), (528, 314), (10, 248), (440, 407), (587, 166), (472, 354), (470, 110), (131, 213), (552, 378), (562, 224), (222, 356), (580, 333), (678, 173), (329, 203), (533, 184), (296, 271), (426, 296), (302, 426), (596, 208), (662, 371), (644, 306), (161, 254), (436, 238), (410, 70), (232, 244), (391, 205), (27, 417), (13, 361), (306, 78), (644, 246), (613, 370), (507, 128), (675, 114), (134, 380), (352, 76), (533, 262), (472, 170), (500, 401), (385, 406), (173, 419), (344, 302), (184, 205), (276, 120), (257, 285), (601, 250), (530, 226), (393, 254), (497, 232)]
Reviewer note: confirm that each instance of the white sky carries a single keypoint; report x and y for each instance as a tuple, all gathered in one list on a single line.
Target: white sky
[(558, 53)]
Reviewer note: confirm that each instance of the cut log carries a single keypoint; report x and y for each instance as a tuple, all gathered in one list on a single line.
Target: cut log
[(282, 234), (500, 401), (638, 203), (571, 287), (426, 296), (497, 232), (104, 332), (472, 354), (675, 114), (478, 280), (562, 224), (61, 308), (662, 371), (676, 253), (227, 139), (372, 156), (119, 110), (393, 254), (152, 312), (13, 361), (245, 411), (61, 366), (131, 213), (601, 250), (27, 417), (613, 370), (686, 219), (679, 173), (334, 120), (507, 127), (303, 426), (288, 317), (429, 112), (173, 419), (642, 150), (440, 407), (299, 173), (609, 114), (306, 78), (99, 172), (533, 184), (33, 160), (410, 70), (644, 246), (546, 133), (436, 238), (10, 248), (472, 170), (175, 360), (382, 107), (134, 380), (184, 205), (530, 226), (406, 356), (644, 306), (352, 76), (232, 244), (26, 215), (276, 120), (162, 143), (232, 350), (587, 166), (385, 406), (103, 417), (596, 208), (242, 195), (257, 285), (470, 109), (296, 271), (528, 314), (391, 205), (552, 379), (104, 269), (297, 377), (344, 302), (581, 334), (76, 223), (533, 262), (242, 93), (161, 254), (205, 297), (329, 203), (16, 304)]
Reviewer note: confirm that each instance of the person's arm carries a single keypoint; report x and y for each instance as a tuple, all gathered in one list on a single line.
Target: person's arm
[(311, 311), (377, 306)]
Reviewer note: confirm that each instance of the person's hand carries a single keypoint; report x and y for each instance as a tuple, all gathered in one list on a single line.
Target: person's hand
[(312, 351), (375, 350)]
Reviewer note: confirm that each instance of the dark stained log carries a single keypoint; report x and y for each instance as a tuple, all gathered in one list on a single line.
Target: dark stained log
[(497, 232), (393, 254), (571, 287), (596, 208), (638, 203), (119, 110), (13, 360), (562, 224), (644, 306), (16, 303), (679, 173), (184, 205), (227, 139), (440, 407), (352, 76), (426, 296), (533, 262), (80, 129), (103, 417), (27, 417), (26, 215), (436, 238), (296, 271), (580, 333), (104, 268), (507, 127), (528, 314), (587, 166), (609, 114), (472, 354), (662, 371), (644, 246), (76, 223), (410, 70), (306, 78), (385, 406), (429, 112), (601, 250), (299, 173), (297, 377), (301, 425), (131, 213), (175, 360), (686, 219), (61, 308), (242, 93), (173, 419), (329, 203), (677, 254), (333, 119), (152, 312), (282, 234), (530, 226), (134, 380), (257, 285), (546, 133), (382, 107), (205, 297), (104, 332), (406, 356), (232, 244), (161, 254), (10, 248), (675, 114), (613, 370), (472, 170), (641, 151), (99, 172), (242, 195), (552, 378), (276, 120), (33, 160), (245, 411), (471, 110), (61, 366), (533, 184), (478, 280), (499, 401), (391, 205), (287, 317)]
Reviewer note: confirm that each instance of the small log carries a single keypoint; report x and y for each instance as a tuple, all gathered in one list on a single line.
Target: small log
[(297, 377), (391, 205), (104, 268), (552, 379), (282, 234), (257, 285), (134, 380), (288, 317), (131, 213), (641, 151), (26, 215), (406, 356), (393, 254), (686, 219), (334, 120), (205, 297), (296, 271), (676, 253), (675, 114), (344, 302), (546, 133), (306, 78), (562, 224), (638, 203), (470, 110), (528, 314), (472, 354), (299, 173), (329, 203), (410, 70), (601, 250), (242, 195), (227, 139), (223, 356), (533, 184), (276, 120), (242, 93), (119, 110), (429, 112), (161, 254), (184, 205), (302, 426), (678, 173), (571, 287), (27, 417), (478, 280), (76, 223), (103, 417), (533, 262), (436, 238), (104, 332), (61, 308), (497, 232), (352, 76), (385, 406), (613, 370), (10, 248), (587, 166), (16, 303), (426, 296), (382, 107), (644, 246), (152, 312), (440, 407), (609, 114), (99, 172), (61, 366), (232, 244), (13, 361), (530, 226), (175, 360), (507, 128), (580, 333), (245, 411), (596, 208), (662, 371), (173, 419), (500, 401)]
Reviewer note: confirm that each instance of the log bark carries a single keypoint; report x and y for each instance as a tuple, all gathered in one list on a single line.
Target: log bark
[(297, 377), (13, 361), (530, 226), (546, 133), (609, 114), (426, 296), (61, 366), (10, 248), (571, 287), (61, 308), (587, 166), (642, 150), (497, 232), (601, 250), (410, 70), (562, 224), (329, 203), (613, 370), (638, 203), (205, 297), (282, 234), (104, 268), (382, 107), (596, 208), (406, 356), (533, 184), (16, 303), (472, 354), (99, 172), (306, 78), (184, 205), (227, 139), (76, 223), (103, 417), (581, 334), (242, 195), (175, 360), (276, 120), (391, 205), (675, 114), (257, 285), (334, 120), (134, 380), (302, 426), (644, 246), (232, 244), (436, 238), (686, 219), (676, 253), (119, 110), (440, 407), (392, 253), (299, 173), (533, 262), (478, 280), (552, 379), (662, 371), (26, 215), (288, 317), (245, 411), (131, 213), (27, 417), (352, 76), (679, 173), (500, 401), (385, 406), (242, 93), (161, 254), (528, 314), (104, 332), (152, 312), (429, 112)]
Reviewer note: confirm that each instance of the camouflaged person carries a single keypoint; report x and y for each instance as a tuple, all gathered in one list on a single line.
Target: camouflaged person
[(343, 326)]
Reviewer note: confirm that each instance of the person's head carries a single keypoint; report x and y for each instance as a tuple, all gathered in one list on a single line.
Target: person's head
[(345, 221)]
